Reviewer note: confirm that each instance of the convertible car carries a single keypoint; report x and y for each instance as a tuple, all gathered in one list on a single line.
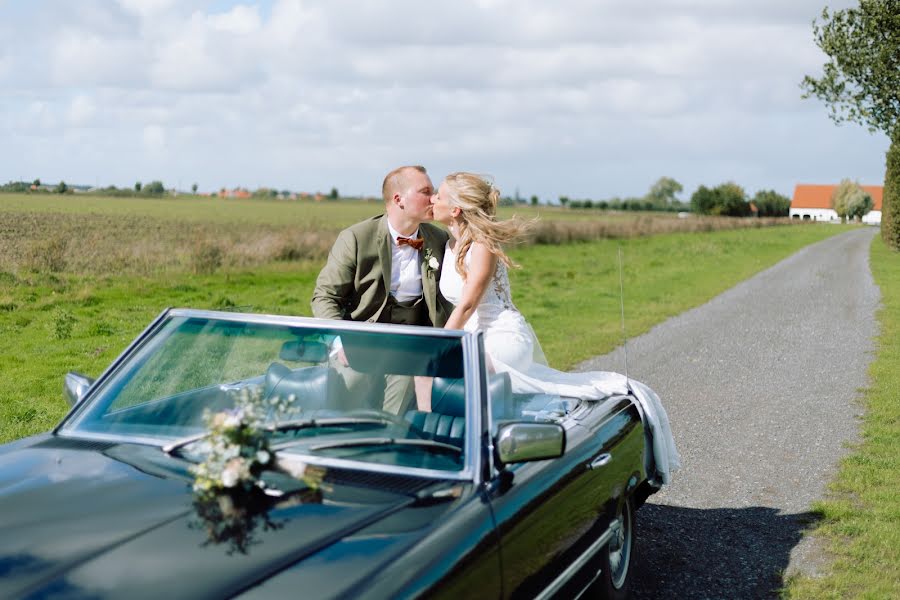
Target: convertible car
[(242, 455)]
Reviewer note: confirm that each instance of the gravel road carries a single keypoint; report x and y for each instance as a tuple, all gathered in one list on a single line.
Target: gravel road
[(761, 385)]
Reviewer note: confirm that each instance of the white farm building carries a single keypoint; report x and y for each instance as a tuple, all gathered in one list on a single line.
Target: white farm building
[(813, 202)]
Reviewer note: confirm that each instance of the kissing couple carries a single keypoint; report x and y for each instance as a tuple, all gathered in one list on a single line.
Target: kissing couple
[(399, 268)]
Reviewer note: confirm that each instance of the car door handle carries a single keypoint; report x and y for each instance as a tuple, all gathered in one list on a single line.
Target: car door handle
[(601, 460)]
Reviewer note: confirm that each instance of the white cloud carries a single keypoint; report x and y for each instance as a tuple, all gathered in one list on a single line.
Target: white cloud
[(304, 95), (154, 138)]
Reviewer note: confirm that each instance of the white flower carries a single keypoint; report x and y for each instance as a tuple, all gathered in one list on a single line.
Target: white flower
[(234, 471), (433, 263), (234, 419)]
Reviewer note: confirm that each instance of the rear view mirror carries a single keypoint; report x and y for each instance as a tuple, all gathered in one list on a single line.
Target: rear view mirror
[(75, 386), (305, 351), (523, 442)]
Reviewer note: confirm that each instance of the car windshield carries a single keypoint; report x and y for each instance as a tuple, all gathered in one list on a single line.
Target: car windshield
[(329, 393)]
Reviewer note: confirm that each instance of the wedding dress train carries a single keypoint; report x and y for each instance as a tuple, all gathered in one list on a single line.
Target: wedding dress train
[(513, 348)]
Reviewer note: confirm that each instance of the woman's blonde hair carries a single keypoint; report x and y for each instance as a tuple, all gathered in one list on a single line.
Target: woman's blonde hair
[(477, 198)]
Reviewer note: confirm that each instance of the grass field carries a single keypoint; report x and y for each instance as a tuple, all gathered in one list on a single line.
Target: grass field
[(861, 518), (51, 323), (154, 236)]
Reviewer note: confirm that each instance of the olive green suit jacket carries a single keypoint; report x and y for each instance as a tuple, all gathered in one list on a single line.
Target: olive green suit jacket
[(356, 280)]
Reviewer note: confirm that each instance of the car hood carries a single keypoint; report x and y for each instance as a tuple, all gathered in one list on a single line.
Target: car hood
[(93, 520)]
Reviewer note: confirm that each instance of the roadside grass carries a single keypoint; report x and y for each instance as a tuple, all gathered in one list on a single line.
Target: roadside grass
[(860, 519), (51, 323)]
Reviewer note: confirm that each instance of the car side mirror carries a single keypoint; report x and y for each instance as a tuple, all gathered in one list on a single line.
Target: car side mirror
[(75, 386), (523, 442)]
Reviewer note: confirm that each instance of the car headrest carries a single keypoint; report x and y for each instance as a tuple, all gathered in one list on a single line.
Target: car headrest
[(448, 396), (309, 385)]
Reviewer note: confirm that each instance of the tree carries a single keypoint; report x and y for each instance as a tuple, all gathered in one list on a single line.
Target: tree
[(890, 203), (334, 194), (194, 188), (727, 199), (137, 186), (36, 183), (772, 204), (662, 193), (155, 187), (848, 194), (534, 200), (860, 205), (563, 200), (61, 188), (861, 81)]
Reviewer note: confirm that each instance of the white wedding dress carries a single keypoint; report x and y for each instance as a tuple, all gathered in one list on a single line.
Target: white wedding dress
[(512, 347)]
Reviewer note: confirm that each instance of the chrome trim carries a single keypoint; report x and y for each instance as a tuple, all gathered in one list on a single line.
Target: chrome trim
[(522, 442), (601, 461), (75, 387), (577, 564), (475, 387), (336, 324)]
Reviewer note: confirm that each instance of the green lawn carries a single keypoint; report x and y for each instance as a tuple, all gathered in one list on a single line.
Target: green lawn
[(54, 323), (861, 517)]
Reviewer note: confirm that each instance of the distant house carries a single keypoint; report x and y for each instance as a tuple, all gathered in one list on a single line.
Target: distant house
[(813, 202)]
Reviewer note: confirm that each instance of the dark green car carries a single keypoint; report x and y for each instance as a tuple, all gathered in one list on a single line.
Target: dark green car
[(237, 455)]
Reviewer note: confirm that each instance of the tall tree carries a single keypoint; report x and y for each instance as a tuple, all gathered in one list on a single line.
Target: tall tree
[(861, 81), (662, 193)]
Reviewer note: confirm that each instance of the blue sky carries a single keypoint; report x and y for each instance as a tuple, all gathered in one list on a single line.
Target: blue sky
[(588, 99)]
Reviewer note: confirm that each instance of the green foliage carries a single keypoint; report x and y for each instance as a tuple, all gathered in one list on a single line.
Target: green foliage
[(36, 183), (772, 204), (890, 203), (334, 194), (849, 200), (61, 188), (155, 188), (534, 200), (194, 188), (861, 80), (563, 200), (727, 199), (137, 186), (662, 193), (63, 322)]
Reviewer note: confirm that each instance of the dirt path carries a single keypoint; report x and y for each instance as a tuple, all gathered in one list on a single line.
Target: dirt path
[(761, 386)]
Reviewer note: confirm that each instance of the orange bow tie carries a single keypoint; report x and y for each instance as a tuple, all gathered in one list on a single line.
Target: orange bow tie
[(416, 243)]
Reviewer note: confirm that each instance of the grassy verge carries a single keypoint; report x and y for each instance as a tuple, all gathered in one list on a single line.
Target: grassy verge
[(54, 323), (861, 518)]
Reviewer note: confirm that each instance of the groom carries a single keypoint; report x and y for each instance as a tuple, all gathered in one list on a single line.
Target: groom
[(380, 270)]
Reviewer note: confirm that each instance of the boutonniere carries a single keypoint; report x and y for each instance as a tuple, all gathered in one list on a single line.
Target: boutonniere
[(430, 264)]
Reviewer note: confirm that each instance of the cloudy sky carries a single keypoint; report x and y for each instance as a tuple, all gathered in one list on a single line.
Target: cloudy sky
[(584, 98)]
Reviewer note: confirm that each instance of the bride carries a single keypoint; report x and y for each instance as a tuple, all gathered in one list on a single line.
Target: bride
[(475, 278)]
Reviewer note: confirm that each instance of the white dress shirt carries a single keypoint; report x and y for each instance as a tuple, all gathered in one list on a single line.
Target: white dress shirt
[(406, 270)]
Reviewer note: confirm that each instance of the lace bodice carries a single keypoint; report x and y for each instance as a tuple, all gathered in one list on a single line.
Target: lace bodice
[(497, 298)]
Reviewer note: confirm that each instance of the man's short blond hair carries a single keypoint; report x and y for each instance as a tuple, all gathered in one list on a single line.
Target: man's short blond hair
[(393, 181)]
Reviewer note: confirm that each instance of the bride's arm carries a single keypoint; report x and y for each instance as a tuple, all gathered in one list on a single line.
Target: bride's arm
[(480, 270)]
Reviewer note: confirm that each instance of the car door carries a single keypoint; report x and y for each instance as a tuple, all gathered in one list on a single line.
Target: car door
[(549, 512)]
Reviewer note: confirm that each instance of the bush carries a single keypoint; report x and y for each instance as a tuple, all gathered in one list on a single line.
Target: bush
[(890, 205), (727, 200), (63, 322), (772, 204)]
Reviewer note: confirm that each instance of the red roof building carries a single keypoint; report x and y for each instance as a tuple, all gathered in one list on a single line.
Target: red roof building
[(813, 202)]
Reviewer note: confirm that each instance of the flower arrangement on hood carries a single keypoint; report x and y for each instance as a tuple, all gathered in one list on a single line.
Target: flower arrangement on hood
[(230, 496)]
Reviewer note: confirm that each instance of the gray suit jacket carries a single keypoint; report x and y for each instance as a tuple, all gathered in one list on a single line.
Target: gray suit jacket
[(356, 280)]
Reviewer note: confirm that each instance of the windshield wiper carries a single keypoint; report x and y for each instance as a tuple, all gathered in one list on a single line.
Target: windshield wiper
[(294, 425), (378, 441)]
